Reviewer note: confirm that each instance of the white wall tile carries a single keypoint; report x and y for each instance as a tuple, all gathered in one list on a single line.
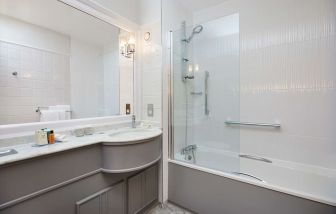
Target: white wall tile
[(31, 86), (287, 75), (151, 69)]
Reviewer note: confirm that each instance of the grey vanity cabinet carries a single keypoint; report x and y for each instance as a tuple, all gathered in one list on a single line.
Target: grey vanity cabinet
[(142, 189), (108, 201), (72, 182)]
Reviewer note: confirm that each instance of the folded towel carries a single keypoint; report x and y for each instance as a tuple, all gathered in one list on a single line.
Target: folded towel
[(67, 111), (49, 115), (63, 107), (64, 111)]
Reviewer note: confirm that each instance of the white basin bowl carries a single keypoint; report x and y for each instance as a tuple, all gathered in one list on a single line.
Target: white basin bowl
[(133, 134), (129, 149)]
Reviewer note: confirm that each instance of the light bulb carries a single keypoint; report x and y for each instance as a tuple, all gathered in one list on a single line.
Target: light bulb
[(131, 40), (190, 68), (196, 67)]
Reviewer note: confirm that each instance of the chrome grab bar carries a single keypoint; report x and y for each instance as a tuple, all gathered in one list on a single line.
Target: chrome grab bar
[(248, 175), (196, 93), (274, 125), (255, 158), (206, 91)]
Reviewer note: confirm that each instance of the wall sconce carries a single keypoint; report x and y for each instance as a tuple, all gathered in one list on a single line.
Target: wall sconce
[(127, 48)]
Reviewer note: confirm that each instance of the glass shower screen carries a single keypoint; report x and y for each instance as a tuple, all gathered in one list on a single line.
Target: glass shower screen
[(205, 93)]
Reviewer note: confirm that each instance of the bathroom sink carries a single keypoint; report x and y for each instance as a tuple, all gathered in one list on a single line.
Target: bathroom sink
[(131, 149), (133, 134), (5, 152)]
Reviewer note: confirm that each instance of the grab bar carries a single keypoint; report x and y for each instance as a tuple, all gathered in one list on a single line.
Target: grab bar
[(256, 158), (206, 93), (274, 125), (248, 175), (196, 93)]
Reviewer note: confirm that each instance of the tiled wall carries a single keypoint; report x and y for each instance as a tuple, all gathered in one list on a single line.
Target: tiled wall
[(151, 62), (87, 89), (126, 83), (43, 79), (43, 59), (287, 75), (150, 59)]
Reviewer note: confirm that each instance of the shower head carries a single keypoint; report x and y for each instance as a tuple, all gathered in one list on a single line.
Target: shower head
[(196, 30)]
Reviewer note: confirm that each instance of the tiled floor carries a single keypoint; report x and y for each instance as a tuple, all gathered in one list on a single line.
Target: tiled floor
[(168, 209)]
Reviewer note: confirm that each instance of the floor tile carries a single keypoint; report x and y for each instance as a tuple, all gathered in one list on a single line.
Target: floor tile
[(168, 209)]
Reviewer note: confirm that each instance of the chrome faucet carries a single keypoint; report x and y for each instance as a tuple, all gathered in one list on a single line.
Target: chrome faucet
[(188, 149), (133, 122), (189, 153)]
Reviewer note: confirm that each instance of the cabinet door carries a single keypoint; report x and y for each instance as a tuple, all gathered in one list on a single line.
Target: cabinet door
[(135, 193), (151, 185), (113, 202), (90, 206), (107, 201), (142, 189)]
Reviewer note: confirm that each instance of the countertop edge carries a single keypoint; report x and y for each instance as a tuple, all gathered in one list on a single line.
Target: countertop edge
[(68, 146)]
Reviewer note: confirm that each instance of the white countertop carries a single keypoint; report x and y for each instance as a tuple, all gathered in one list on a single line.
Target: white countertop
[(26, 151)]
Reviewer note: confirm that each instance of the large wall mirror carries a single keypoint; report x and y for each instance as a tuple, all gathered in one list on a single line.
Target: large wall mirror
[(59, 63)]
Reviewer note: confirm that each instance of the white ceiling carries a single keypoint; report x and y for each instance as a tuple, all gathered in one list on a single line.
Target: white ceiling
[(56, 16), (195, 5)]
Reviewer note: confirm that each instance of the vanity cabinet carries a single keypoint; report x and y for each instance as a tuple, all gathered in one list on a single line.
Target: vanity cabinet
[(108, 201), (142, 189), (73, 182)]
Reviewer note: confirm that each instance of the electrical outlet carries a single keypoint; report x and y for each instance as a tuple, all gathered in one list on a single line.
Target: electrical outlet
[(150, 110)]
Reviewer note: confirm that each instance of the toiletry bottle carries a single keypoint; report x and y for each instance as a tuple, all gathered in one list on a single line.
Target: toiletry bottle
[(51, 137), (41, 137), (48, 133), (38, 137), (44, 138)]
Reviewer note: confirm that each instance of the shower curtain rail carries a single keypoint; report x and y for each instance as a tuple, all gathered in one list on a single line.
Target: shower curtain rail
[(274, 125)]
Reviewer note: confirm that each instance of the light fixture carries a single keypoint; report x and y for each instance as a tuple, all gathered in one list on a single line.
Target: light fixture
[(127, 47), (196, 67)]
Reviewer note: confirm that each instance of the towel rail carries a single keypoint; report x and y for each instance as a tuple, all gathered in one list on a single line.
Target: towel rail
[(38, 110)]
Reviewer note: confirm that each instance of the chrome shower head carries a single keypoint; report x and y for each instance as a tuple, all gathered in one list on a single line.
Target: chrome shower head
[(196, 30)]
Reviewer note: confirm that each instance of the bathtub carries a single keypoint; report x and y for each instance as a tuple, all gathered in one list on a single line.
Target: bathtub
[(305, 181)]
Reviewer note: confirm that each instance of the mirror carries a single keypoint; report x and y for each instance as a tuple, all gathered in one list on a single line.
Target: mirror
[(59, 63)]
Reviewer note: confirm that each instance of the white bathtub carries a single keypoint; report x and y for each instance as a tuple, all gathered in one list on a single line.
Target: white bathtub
[(306, 181)]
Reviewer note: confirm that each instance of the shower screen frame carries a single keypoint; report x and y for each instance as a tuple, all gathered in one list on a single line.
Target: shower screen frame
[(229, 66)]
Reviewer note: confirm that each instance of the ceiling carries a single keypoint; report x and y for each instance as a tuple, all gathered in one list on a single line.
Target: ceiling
[(195, 5), (56, 16)]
